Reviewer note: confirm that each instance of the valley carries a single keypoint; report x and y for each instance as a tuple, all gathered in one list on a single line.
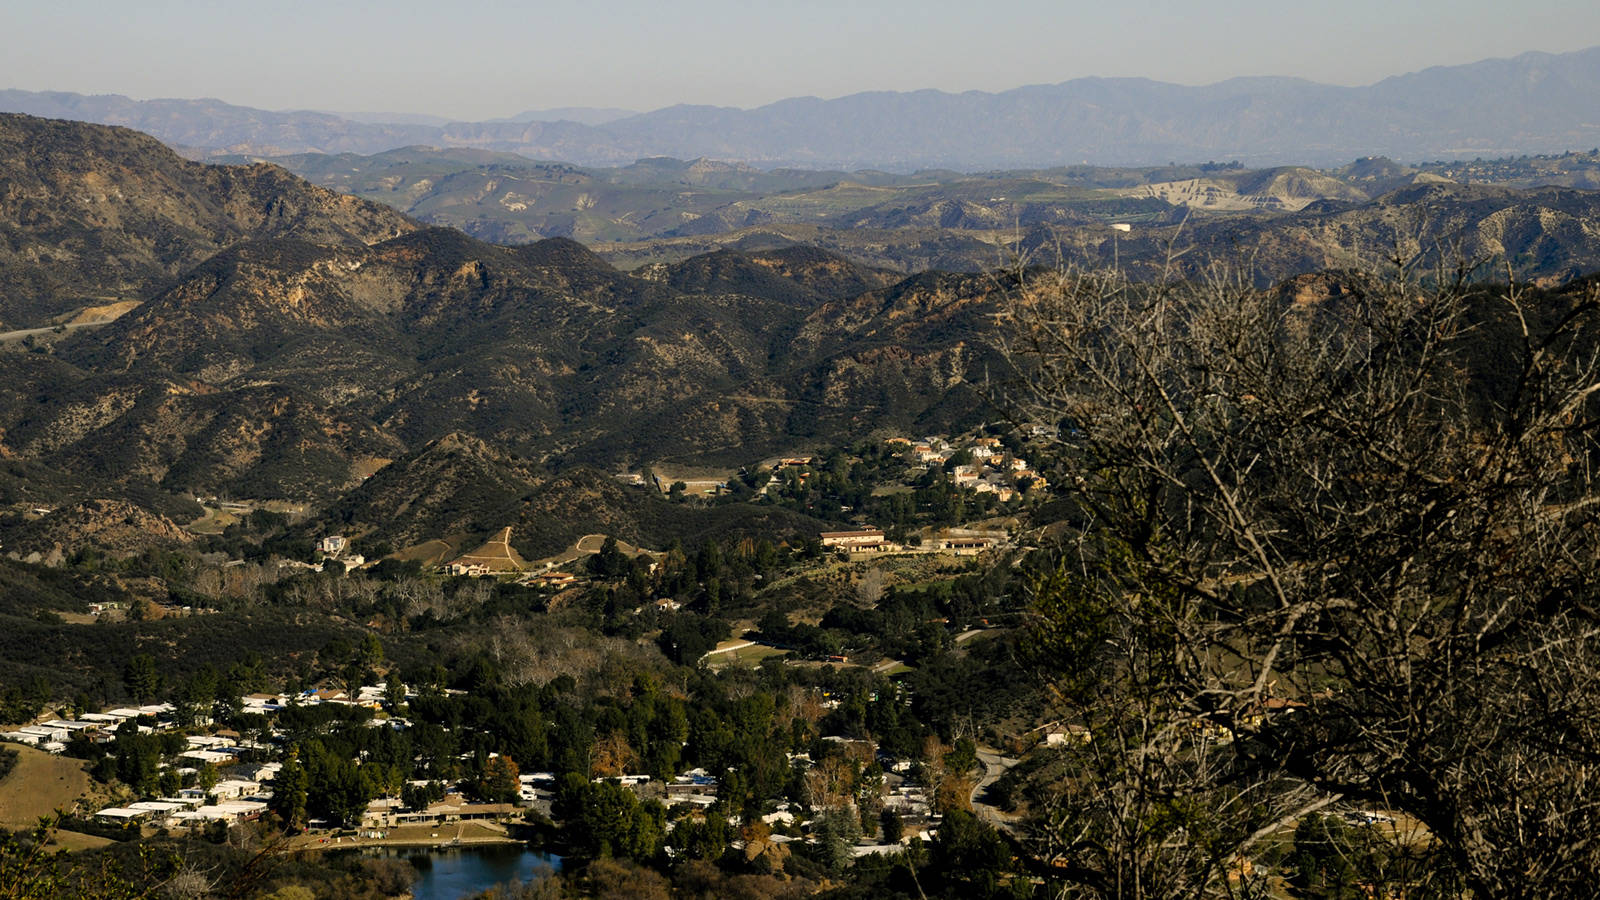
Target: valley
[(729, 531)]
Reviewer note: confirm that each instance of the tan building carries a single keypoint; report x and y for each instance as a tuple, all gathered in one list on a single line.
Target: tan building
[(867, 540), (852, 539)]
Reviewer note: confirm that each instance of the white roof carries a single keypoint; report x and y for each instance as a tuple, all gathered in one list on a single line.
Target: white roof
[(185, 802), (160, 806), (118, 812), (241, 806), (268, 770), (227, 810)]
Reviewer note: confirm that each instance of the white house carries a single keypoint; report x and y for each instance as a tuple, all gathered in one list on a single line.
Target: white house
[(43, 734)]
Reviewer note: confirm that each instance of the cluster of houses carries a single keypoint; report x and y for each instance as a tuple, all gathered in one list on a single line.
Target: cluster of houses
[(695, 788), (233, 799), (241, 796), (100, 727), (242, 791), (993, 469)]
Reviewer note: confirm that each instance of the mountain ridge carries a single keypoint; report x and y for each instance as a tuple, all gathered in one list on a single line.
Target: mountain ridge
[(1533, 102), (286, 352), (94, 211)]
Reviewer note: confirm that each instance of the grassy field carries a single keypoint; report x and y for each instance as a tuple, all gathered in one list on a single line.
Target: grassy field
[(366, 467), (77, 840), (744, 656), (38, 785), (214, 521), (435, 552)]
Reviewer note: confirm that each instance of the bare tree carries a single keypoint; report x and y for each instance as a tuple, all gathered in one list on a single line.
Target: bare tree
[(869, 589), (1334, 550)]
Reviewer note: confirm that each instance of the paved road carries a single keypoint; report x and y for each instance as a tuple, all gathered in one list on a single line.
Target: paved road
[(9, 336), (994, 765)]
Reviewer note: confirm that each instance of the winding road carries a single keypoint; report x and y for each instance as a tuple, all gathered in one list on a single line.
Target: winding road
[(994, 766)]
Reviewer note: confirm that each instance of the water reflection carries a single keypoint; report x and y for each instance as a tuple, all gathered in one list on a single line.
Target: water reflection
[(450, 873)]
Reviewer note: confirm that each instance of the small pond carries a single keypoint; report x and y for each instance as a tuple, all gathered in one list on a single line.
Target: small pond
[(450, 873)]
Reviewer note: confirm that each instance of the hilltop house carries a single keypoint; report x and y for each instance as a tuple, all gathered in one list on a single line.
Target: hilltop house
[(852, 539)]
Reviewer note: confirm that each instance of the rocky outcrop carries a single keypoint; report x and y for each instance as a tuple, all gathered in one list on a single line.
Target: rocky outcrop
[(111, 526)]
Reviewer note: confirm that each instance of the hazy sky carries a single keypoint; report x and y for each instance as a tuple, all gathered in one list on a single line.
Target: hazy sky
[(476, 59)]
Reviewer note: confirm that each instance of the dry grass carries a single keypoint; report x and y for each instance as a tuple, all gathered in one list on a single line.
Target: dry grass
[(97, 315), (38, 785), (432, 553), (744, 656), (77, 840)]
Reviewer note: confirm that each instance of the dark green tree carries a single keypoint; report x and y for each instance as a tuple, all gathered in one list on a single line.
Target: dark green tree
[(289, 793), (142, 677)]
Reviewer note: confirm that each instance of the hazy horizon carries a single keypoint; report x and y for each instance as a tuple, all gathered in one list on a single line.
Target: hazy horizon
[(480, 60)]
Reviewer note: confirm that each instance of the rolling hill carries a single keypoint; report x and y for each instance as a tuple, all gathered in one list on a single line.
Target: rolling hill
[(90, 215)]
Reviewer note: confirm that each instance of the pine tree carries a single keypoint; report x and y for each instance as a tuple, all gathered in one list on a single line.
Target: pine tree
[(142, 677), (289, 793)]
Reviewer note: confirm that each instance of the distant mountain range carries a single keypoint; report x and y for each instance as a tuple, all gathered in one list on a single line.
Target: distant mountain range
[(1533, 103), (509, 199), (583, 115)]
